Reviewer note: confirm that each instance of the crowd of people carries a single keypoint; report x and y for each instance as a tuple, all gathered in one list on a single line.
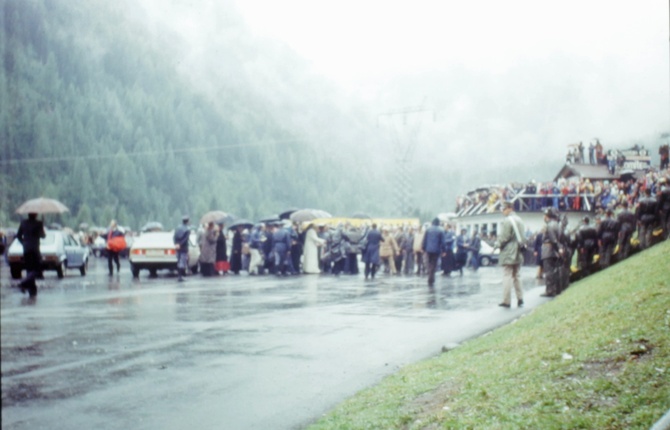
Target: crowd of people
[(283, 248), (615, 211), (573, 194), (609, 234)]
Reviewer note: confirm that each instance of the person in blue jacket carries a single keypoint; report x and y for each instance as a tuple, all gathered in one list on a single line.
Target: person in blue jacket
[(433, 246), (462, 246), (281, 240), (371, 251)]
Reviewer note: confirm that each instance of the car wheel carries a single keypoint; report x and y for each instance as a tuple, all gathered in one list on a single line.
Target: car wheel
[(83, 267), (59, 271), (15, 271), (485, 261), (135, 270)]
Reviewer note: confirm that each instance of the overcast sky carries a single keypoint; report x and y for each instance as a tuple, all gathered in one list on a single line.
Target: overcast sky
[(353, 41), (612, 55), (529, 74)]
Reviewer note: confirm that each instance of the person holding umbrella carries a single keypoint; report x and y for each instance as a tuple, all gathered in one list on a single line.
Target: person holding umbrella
[(116, 243), (29, 234)]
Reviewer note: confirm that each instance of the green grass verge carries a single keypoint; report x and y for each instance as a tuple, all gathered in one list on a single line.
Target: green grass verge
[(597, 356)]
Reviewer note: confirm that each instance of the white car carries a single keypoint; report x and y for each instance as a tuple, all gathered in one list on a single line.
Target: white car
[(488, 255), (155, 251), (60, 251)]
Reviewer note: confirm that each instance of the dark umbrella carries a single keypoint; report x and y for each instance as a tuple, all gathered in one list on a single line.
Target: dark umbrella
[(42, 206), (304, 215), (270, 219), (212, 216), (244, 223), (287, 213)]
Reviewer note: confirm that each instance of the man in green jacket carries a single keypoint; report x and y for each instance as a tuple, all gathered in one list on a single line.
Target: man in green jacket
[(510, 241)]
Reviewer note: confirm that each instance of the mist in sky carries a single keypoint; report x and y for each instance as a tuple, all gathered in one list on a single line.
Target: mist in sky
[(499, 82)]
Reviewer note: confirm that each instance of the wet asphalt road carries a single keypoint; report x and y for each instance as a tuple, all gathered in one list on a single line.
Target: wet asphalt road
[(233, 352)]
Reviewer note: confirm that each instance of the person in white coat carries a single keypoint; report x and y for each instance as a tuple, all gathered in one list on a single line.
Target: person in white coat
[(310, 263)]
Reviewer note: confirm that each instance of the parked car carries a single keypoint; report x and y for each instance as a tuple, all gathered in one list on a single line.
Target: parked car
[(487, 255), (60, 251), (155, 250)]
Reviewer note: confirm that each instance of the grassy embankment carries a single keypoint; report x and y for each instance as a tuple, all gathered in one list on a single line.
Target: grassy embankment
[(598, 356)]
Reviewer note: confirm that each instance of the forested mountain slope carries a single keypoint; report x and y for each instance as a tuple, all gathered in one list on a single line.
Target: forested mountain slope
[(99, 111)]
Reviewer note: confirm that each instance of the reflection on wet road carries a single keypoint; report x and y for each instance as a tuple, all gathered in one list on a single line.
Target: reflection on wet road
[(229, 352)]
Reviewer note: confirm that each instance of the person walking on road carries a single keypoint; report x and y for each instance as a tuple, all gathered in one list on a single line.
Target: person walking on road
[(180, 239), (433, 246), (29, 234), (511, 244), (115, 244)]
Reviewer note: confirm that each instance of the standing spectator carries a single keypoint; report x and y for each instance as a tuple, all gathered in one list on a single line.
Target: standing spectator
[(180, 239), (551, 253), (313, 242), (646, 218), (567, 246), (587, 245), (236, 251), (208, 245), (337, 250), (407, 250), (371, 258), (255, 245), (398, 260), (222, 265), (352, 237), (475, 246), (297, 241), (448, 258), (664, 152), (592, 153), (537, 252), (324, 252), (580, 148), (267, 248), (281, 240), (461, 250), (433, 244), (511, 245), (418, 250), (608, 234), (388, 249), (664, 206), (116, 243), (30, 232), (627, 222)]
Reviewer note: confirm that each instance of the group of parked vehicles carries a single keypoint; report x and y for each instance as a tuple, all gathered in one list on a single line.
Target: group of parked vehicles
[(62, 249)]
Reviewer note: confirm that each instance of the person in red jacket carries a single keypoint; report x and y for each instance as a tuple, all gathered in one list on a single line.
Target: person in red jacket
[(115, 244)]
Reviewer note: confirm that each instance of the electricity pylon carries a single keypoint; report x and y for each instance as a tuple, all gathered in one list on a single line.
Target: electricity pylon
[(404, 148)]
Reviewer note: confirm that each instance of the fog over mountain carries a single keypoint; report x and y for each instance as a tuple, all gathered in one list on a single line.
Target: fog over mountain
[(501, 84), (155, 108)]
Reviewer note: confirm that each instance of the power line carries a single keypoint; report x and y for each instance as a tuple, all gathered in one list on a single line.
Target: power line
[(144, 153)]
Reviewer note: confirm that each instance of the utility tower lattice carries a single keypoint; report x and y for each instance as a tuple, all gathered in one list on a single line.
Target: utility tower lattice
[(403, 151)]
